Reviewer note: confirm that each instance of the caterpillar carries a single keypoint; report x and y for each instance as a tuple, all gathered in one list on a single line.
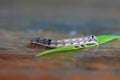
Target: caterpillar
[(51, 43)]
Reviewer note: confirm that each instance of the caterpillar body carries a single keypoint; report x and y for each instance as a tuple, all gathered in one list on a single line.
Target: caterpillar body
[(51, 43)]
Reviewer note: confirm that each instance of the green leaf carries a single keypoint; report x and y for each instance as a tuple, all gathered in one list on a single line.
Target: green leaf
[(101, 40)]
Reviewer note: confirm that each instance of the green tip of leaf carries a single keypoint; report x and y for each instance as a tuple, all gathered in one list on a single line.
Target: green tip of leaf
[(101, 40), (106, 38)]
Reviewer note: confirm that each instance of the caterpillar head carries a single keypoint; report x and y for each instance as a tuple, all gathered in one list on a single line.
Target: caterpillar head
[(92, 39)]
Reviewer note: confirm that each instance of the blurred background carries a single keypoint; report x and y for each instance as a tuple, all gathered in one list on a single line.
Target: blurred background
[(21, 20), (61, 16)]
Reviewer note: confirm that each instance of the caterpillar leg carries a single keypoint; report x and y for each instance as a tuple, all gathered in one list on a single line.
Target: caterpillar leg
[(80, 46)]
